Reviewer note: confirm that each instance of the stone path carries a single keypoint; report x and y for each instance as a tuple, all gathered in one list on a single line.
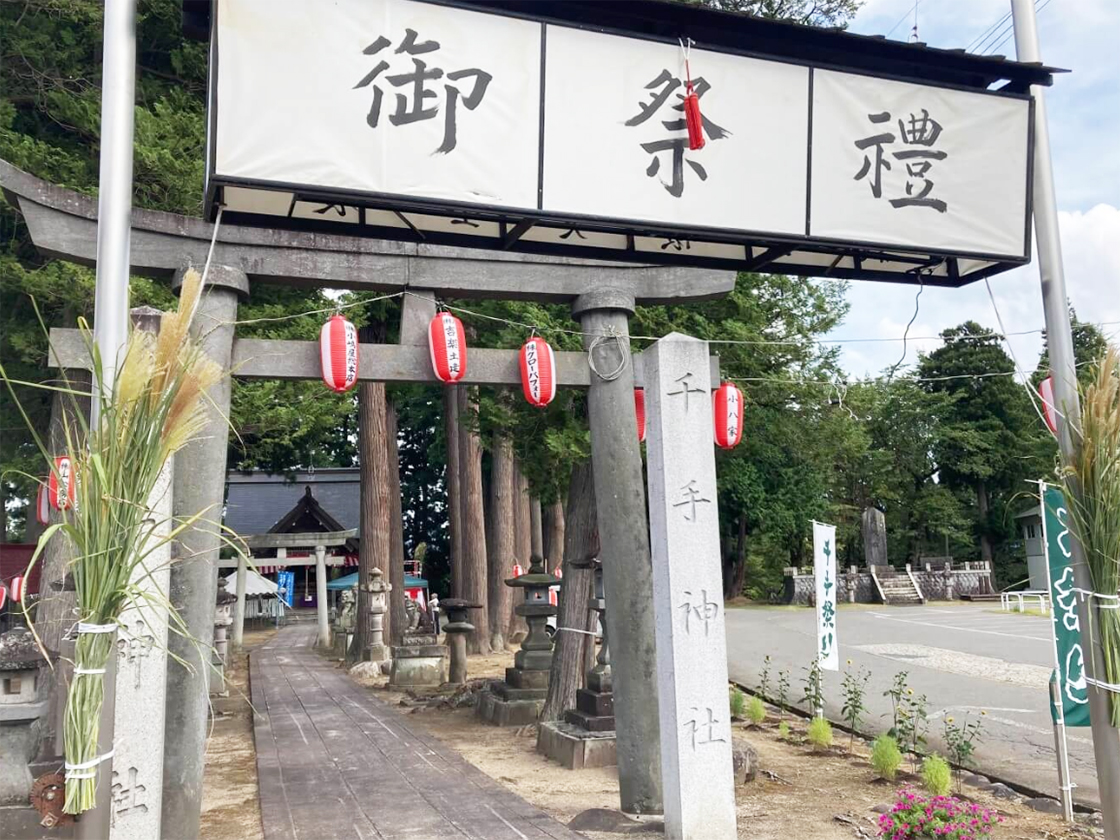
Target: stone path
[(336, 762)]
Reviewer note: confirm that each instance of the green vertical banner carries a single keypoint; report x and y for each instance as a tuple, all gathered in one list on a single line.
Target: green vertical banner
[(1070, 658)]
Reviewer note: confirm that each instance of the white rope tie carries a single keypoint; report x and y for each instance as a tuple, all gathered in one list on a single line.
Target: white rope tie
[(83, 627), (1103, 686), (81, 672), (574, 630), (1100, 596), (86, 765)]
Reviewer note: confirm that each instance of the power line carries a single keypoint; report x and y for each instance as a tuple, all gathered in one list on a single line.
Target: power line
[(1010, 31), (983, 35)]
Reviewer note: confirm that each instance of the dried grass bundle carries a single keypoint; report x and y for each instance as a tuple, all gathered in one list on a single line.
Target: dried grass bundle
[(1092, 489)]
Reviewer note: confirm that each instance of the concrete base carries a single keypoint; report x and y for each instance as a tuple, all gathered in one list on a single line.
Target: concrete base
[(499, 711), (423, 666), (577, 749)]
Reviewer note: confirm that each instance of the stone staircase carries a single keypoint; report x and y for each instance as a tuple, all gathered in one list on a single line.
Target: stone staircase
[(897, 588)]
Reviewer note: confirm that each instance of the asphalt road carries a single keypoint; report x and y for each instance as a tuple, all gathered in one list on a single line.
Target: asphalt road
[(963, 657)]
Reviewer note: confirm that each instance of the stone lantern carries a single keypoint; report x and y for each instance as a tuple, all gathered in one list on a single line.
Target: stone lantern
[(378, 590), (519, 699), (223, 618), (20, 709), (457, 628)]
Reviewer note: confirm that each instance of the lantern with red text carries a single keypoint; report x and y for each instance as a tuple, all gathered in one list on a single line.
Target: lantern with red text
[(17, 588), (1049, 410), (3, 594), (640, 411), (538, 372), (448, 345), (338, 354), (727, 411), (42, 505), (61, 486)]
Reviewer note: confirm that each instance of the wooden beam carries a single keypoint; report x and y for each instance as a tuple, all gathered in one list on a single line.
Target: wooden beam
[(255, 358)]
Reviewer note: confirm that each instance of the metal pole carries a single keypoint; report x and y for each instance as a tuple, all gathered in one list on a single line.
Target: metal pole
[(624, 547), (239, 607), (1106, 740), (114, 203)]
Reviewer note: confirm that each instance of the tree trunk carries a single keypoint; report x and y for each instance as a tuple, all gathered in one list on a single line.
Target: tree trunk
[(735, 574), (523, 544), (454, 504), (397, 617), (474, 526), (581, 543), (500, 540), (554, 535), (55, 613), (374, 549), (982, 507)]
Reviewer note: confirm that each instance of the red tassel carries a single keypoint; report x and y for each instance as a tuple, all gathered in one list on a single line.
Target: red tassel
[(693, 120)]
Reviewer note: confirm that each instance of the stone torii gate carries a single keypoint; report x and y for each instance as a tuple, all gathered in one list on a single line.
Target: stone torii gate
[(602, 296)]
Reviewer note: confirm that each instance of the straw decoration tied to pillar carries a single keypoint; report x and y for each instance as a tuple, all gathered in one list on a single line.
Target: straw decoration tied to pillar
[(102, 486)]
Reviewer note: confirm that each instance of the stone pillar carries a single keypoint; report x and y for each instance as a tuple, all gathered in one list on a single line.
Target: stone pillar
[(688, 593), (378, 590), (874, 530), (321, 596), (239, 607), (199, 488), (141, 683), (456, 628), (624, 539)]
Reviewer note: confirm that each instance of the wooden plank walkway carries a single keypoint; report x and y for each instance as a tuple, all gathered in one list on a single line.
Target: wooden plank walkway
[(335, 762)]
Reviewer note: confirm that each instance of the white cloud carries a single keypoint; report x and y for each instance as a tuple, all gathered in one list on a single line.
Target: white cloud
[(1092, 270)]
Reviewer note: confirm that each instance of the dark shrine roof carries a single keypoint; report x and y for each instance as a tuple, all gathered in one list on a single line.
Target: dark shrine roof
[(668, 20), (260, 503)]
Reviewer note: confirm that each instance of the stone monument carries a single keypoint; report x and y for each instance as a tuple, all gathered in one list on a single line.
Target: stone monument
[(456, 628), (421, 662), (378, 590), (519, 699), (223, 618), (344, 623), (20, 708), (696, 761), (873, 527), (585, 737)]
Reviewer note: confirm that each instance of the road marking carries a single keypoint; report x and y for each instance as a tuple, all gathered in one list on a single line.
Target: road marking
[(964, 664), (1006, 722), (962, 629)]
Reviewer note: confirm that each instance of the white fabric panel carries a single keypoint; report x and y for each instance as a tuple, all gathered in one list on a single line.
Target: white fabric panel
[(290, 108), (982, 178), (595, 163)]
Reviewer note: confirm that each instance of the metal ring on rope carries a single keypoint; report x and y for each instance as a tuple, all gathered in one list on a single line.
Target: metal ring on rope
[(623, 353)]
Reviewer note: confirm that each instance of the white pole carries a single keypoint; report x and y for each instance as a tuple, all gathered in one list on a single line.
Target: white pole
[(1061, 745), (321, 595), (239, 607), (1106, 740), (114, 203)]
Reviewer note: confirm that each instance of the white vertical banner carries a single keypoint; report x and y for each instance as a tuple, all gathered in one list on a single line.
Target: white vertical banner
[(824, 571)]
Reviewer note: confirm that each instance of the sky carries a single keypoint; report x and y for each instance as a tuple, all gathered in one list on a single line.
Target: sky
[(1084, 118)]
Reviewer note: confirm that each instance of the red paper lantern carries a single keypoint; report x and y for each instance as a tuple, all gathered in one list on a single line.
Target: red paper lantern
[(62, 486), (448, 345), (727, 409), (517, 570), (42, 505), (17, 588), (640, 410), (338, 354), (558, 572), (3, 594), (538, 372), (553, 597), (1049, 410)]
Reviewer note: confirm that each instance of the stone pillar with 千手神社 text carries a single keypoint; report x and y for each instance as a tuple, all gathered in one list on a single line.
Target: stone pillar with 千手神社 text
[(688, 593)]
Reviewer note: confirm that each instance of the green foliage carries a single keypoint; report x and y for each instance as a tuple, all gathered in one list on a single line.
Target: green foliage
[(937, 776), (961, 740), (738, 702), (820, 733), (813, 694), (783, 692), (853, 688), (783, 730), (910, 716), (756, 711), (764, 678), (886, 757)]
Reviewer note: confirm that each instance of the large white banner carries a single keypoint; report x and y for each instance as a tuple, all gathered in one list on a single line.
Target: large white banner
[(824, 571), (352, 110)]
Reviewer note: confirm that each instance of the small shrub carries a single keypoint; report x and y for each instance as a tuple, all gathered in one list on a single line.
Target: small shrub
[(943, 817), (814, 688), (738, 702), (886, 757), (820, 733), (783, 731), (962, 740), (756, 712), (764, 678), (854, 687), (783, 693), (936, 775)]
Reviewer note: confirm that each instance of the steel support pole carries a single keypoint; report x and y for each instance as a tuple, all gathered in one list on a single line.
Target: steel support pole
[(624, 546), (1106, 739), (199, 489), (114, 202)]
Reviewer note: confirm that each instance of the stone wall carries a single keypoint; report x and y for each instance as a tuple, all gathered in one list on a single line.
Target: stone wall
[(935, 580)]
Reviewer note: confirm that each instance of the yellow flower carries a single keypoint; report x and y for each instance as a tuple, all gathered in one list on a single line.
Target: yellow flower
[(910, 691), (849, 662), (983, 711), (948, 720)]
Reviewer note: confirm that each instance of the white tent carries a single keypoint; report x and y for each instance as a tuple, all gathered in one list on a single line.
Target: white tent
[(255, 585)]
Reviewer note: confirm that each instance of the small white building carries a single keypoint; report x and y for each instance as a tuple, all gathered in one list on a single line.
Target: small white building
[(1030, 521)]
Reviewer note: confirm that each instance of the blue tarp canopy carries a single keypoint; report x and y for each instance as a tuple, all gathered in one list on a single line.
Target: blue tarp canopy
[(351, 580)]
